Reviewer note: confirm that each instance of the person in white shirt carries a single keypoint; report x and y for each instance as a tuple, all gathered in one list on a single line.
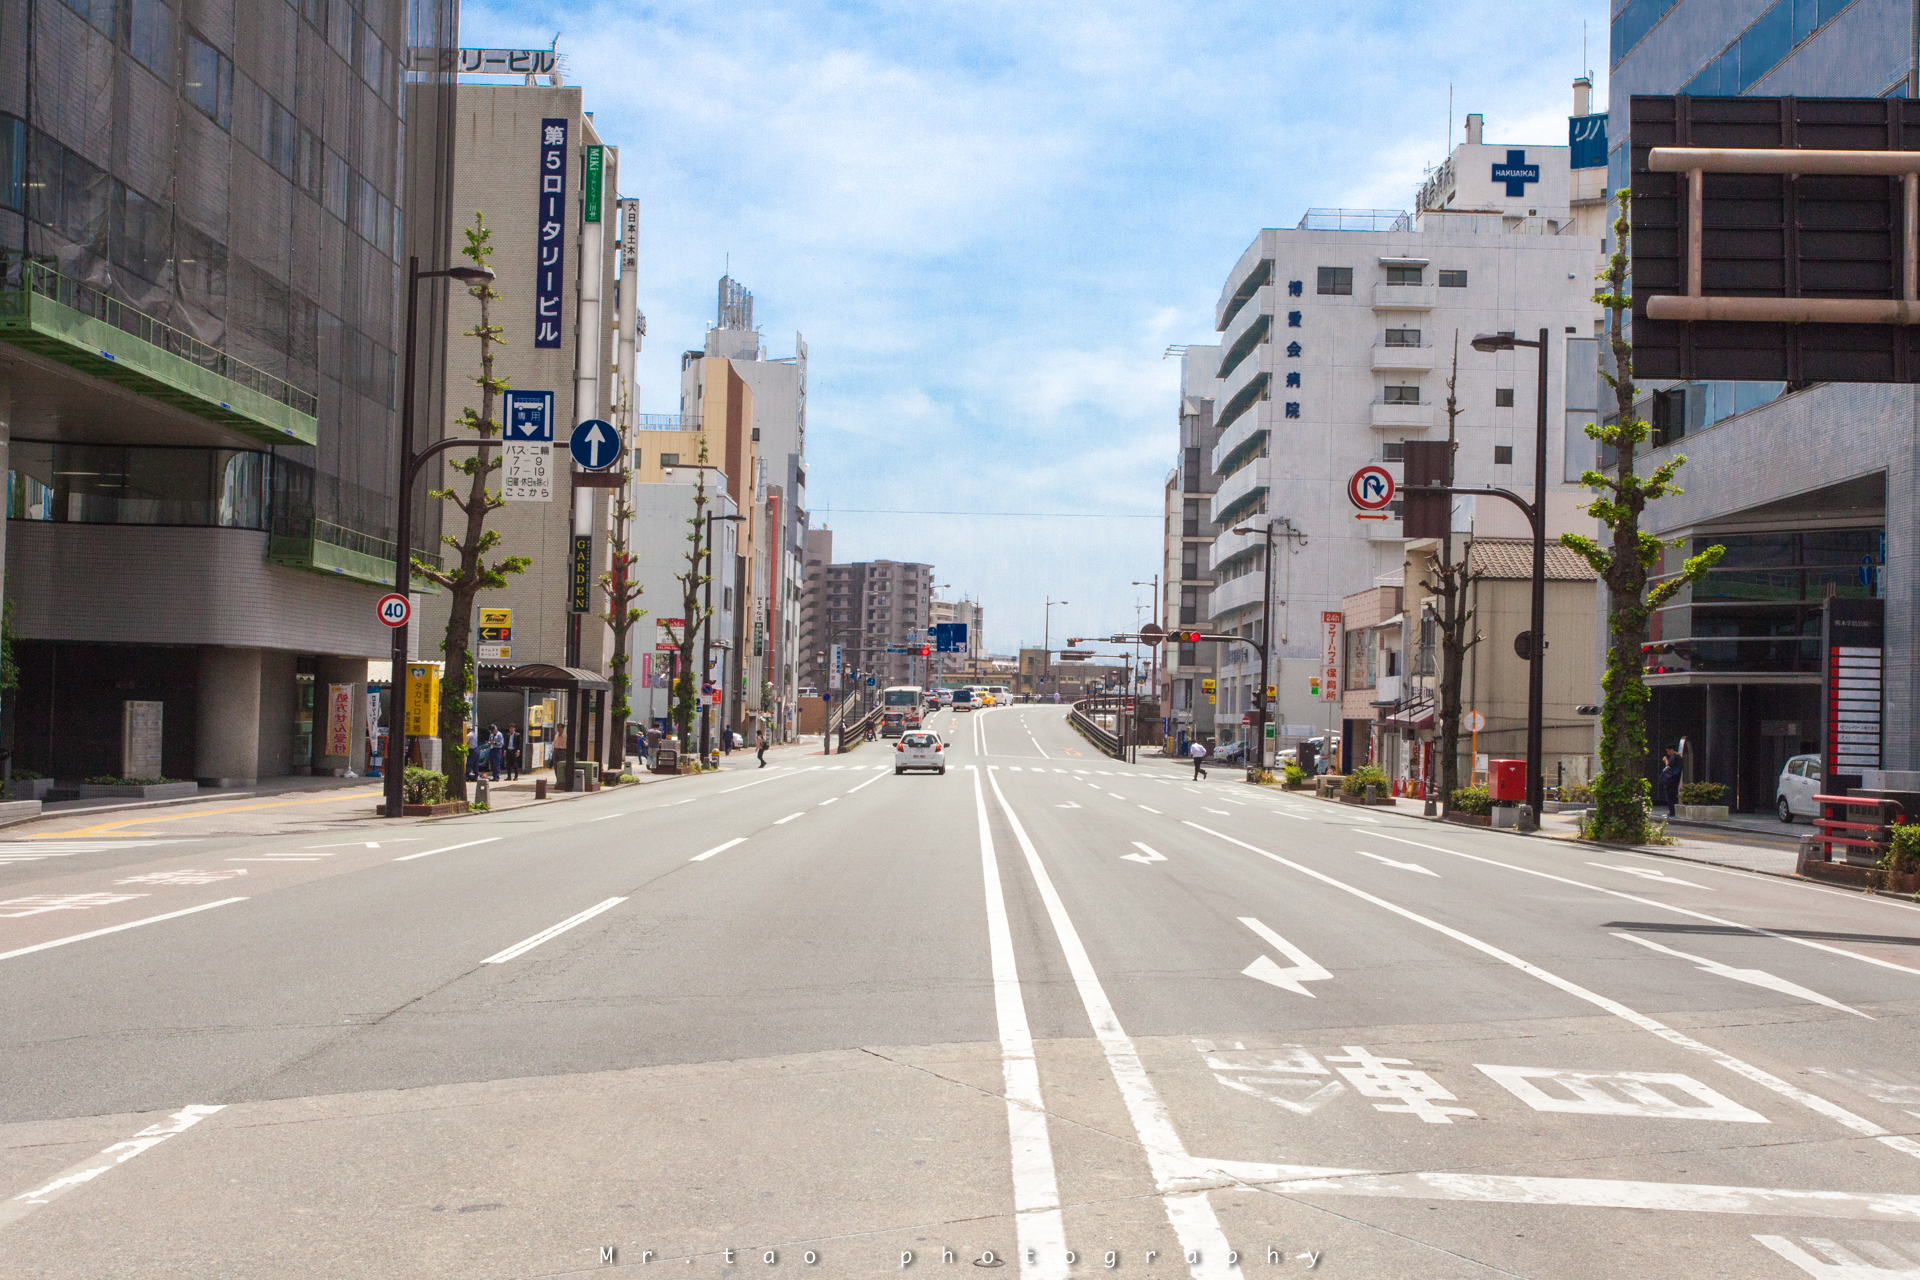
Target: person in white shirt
[(1198, 750)]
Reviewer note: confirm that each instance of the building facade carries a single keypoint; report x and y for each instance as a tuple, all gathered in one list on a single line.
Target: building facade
[(1190, 673), (1735, 661), (878, 611), (205, 216)]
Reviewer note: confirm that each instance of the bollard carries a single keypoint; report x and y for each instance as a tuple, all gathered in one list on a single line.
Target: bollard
[(480, 791), (579, 780), (1373, 792), (1433, 807), (1527, 821), (539, 788)]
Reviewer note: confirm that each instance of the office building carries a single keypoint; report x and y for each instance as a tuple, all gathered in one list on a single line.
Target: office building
[(205, 216), (1189, 672), (878, 612)]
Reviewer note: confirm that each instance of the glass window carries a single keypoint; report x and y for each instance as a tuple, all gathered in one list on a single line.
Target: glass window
[(337, 181), (1403, 337), (1453, 279), (150, 37), (340, 28), (1503, 455), (113, 484), (1401, 395), (1503, 397), (1335, 280), (1393, 451), (1405, 275), (209, 81), (1765, 43), (13, 163)]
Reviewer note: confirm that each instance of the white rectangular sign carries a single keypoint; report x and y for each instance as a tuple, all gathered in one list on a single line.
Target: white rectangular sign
[(526, 473)]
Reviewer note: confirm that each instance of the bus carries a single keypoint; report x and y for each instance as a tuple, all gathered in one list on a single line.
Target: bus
[(900, 709)]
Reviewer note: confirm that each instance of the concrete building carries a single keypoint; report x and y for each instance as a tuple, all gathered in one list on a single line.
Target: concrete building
[(970, 614), (1811, 491), (1190, 672), (815, 638), (876, 605), (662, 510), (1337, 339), (205, 216)]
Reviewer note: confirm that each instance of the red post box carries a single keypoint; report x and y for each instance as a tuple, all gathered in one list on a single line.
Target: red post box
[(1507, 781)]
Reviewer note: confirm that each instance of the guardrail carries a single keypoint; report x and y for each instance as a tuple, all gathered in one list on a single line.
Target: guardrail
[(1081, 719), (852, 720)]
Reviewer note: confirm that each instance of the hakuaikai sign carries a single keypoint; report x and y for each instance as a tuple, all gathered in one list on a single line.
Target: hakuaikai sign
[(1516, 173)]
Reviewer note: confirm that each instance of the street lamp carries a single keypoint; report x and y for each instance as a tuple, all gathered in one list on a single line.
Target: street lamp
[(706, 642), (1046, 640), (1537, 516), (1266, 636), (1158, 622), (409, 470)]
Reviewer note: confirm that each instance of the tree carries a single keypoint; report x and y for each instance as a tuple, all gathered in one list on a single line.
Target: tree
[(471, 574), (686, 681), (621, 591), (1452, 579), (1620, 792)]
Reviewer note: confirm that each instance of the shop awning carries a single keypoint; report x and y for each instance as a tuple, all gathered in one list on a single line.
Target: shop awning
[(541, 675)]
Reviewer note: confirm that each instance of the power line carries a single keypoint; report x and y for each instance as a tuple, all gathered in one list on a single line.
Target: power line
[(1056, 515)]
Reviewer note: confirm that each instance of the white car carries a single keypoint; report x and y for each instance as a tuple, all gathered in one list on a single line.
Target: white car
[(1799, 784), (919, 750)]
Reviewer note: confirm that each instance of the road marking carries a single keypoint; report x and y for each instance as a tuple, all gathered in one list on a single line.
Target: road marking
[(105, 828), (184, 877), (1893, 1092), (1813, 1102), (1145, 854), (1261, 1071), (1149, 810), (870, 781), (19, 851), (726, 791), (1222, 812), (719, 848), (1036, 1195), (1648, 873), (1619, 1093), (1304, 969), (117, 1154), (1175, 1173), (1844, 1263), (554, 931), (781, 822), (367, 844), (1664, 906), (40, 903), (1404, 866), (447, 849), (1754, 977), (1288, 813), (1068, 805), (603, 817), (1414, 1092), (829, 800), (131, 924)]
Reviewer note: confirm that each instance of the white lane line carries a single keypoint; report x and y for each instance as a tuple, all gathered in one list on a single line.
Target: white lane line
[(1149, 810), (1036, 1196), (603, 817), (1174, 1171), (446, 849), (1813, 1102), (1222, 812), (116, 928), (1288, 813), (1404, 866), (743, 786), (781, 822), (1649, 873), (869, 782), (1664, 906), (1754, 977), (117, 1154), (554, 931), (829, 800), (719, 848)]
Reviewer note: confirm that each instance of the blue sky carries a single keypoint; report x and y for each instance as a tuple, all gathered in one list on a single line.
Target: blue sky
[(991, 219)]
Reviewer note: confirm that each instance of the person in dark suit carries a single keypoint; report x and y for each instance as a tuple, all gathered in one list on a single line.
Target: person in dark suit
[(1670, 783)]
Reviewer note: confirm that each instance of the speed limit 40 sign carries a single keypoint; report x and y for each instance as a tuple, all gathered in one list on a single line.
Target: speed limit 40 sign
[(395, 609)]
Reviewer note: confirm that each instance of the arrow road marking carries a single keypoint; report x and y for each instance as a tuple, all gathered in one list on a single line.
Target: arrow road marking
[(1648, 873), (1755, 977), (1145, 854), (1404, 866), (1304, 969)]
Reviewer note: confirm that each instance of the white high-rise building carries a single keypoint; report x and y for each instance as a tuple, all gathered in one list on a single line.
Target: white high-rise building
[(1336, 340)]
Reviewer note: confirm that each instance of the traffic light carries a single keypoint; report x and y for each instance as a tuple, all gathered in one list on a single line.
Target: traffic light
[(924, 650)]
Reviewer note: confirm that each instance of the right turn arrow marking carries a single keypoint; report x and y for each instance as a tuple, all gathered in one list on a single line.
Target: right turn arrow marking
[(1304, 969)]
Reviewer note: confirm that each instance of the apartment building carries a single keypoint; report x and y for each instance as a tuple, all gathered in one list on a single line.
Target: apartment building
[(873, 607), (968, 613), (1814, 491), (205, 217), (1189, 673)]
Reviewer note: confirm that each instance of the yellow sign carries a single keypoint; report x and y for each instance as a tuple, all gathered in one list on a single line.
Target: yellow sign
[(1269, 693), (1210, 701), (423, 700), (1206, 686), (496, 626)]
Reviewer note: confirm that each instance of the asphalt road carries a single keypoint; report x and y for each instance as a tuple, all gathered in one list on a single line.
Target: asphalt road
[(1080, 1015)]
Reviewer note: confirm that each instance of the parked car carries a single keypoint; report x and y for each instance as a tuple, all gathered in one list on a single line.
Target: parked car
[(1231, 753), (1799, 784), (919, 750)]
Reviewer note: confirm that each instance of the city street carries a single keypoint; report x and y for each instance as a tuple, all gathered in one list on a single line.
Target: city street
[(1045, 1010)]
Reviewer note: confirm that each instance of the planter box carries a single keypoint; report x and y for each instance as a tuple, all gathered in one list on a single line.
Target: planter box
[(29, 789), (440, 810), (1860, 877), (1703, 812), (1470, 819), (1506, 815), (157, 791), (15, 810), (1386, 801), (1565, 806)]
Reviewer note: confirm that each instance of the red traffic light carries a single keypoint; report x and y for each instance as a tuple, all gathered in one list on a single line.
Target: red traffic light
[(924, 650)]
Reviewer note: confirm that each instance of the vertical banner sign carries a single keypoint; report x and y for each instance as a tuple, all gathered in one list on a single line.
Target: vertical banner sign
[(834, 659), (1855, 638), (423, 700), (596, 158), (527, 470), (582, 601), (551, 239), (140, 736), (1329, 656), (339, 719)]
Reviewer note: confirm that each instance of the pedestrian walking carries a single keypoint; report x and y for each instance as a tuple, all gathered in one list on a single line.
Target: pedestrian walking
[(1198, 750), (760, 740), (514, 748), (1670, 783), (496, 750)]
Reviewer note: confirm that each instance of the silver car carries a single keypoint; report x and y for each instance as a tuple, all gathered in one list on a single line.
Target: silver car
[(1799, 784)]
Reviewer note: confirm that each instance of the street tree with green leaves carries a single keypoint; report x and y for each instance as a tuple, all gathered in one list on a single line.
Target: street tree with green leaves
[(1626, 565), (621, 592)]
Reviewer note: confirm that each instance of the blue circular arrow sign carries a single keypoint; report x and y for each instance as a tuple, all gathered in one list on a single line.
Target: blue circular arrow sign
[(595, 445)]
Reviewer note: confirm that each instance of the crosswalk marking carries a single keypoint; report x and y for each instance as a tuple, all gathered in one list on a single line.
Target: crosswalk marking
[(54, 847)]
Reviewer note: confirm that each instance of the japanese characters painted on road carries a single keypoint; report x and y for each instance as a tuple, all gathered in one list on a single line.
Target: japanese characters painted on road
[(1371, 488), (394, 609), (595, 445)]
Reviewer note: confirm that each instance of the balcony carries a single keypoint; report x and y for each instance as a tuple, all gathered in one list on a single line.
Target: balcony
[(319, 546), (81, 327), (1238, 494), (1403, 297), (1249, 327), (1227, 597), (1256, 421), (1390, 358), (1253, 271), (1245, 387), (1402, 417)]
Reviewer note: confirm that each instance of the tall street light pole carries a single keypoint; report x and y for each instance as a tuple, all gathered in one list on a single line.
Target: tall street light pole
[(1153, 680), (1537, 514), (706, 643), (1046, 640), (409, 464), (1259, 752)]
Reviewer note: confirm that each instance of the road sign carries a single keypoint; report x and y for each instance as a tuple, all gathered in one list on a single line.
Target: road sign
[(494, 653), (1474, 721), (526, 471), (1371, 488), (529, 417), (496, 626), (1152, 633), (595, 445), (394, 609), (1330, 624)]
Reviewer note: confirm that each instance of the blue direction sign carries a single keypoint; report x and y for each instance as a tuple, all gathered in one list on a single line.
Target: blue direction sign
[(595, 445), (530, 416), (950, 637)]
